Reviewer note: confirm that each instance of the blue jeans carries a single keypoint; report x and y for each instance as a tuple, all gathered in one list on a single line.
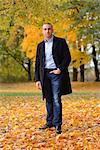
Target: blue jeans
[(53, 98)]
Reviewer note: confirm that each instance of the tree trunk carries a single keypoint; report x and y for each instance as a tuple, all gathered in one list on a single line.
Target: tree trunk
[(75, 74), (29, 70), (95, 63), (82, 69), (82, 73)]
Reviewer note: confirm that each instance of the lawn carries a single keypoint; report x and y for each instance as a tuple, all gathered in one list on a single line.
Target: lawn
[(22, 112)]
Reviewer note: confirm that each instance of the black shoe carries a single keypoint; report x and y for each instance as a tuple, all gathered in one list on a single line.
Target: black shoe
[(58, 129), (46, 126)]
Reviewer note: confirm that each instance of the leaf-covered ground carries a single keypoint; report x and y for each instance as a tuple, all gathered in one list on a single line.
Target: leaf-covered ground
[(21, 116)]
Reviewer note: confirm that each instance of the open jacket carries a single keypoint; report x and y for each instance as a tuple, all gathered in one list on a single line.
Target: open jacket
[(62, 59)]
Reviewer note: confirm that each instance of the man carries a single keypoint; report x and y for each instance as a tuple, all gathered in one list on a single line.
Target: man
[(51, 75)]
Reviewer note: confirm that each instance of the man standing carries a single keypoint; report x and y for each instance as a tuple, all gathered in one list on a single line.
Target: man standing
[(51, 75)]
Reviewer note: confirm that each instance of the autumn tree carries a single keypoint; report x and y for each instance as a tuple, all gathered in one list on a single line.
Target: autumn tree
[(21, 13), (14, 15), (68, 18), (85, 14)]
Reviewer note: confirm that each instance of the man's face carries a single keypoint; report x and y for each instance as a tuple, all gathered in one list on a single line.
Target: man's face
[(47, 31)]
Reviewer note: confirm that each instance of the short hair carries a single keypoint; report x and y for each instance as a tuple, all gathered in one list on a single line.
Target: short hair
[(47, 23)]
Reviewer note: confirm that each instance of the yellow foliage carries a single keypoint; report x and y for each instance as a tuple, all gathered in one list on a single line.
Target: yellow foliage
[(32, 36), (60, 28), (71, 36), (79, 58)]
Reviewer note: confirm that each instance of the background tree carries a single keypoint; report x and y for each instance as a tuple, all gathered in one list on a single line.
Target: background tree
[(72, 20), (86, 19)]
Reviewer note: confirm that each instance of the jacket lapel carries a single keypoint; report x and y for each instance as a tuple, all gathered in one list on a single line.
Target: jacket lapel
[(54, 44), (43, 51)]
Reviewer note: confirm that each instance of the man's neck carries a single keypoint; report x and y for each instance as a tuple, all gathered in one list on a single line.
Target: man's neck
[(47, 39)]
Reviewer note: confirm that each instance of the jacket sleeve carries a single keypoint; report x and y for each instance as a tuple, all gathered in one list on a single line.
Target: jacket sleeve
[(37, 65), (66, 57)]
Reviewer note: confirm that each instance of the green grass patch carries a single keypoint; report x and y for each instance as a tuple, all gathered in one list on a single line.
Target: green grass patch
[(39, 93), (19, 94)]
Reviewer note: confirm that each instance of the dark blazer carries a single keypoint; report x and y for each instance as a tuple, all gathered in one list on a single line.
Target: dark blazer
[(62, 58)]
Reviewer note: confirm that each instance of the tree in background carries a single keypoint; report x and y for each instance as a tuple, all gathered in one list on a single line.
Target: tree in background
[(71, 19), (95, 61), (85, 14)]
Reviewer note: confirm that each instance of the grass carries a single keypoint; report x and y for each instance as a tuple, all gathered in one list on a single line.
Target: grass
[(39, 93), (87, 89), (19, 94)]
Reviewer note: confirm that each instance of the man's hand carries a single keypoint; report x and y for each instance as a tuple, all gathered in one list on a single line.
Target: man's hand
[(38, 85), (57, 71)]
